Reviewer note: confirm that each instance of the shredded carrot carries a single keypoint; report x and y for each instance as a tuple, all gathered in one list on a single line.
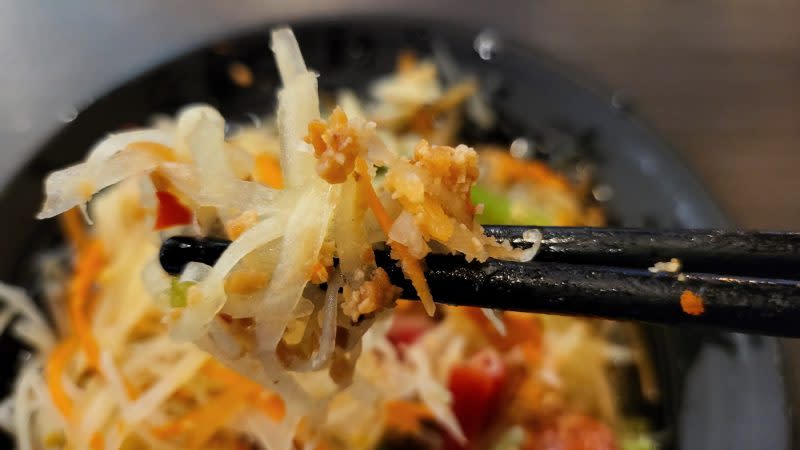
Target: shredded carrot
[(365, 183), (406, 416), (90, 262), (97, 442), (267, 171), (239, 392), (411, 266), (207, 419), (271, 405), (73, 227), (265, 400), (130, 389), (508, 169), (406, 307), (54, 371), (412, 269), (692, 303)]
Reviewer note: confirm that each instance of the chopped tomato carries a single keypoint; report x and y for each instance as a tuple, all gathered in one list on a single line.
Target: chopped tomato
[(171, 211), (571, 432), (406, 329), (476, 387)]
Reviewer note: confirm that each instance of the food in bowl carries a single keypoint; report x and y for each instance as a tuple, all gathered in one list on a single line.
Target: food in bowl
[(275, 346)]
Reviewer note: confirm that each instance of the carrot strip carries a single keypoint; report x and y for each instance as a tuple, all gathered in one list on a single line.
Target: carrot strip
[(267, 171), (73, 227), (207, 419), (263, 399), (90, 262), (405, 416), (411, 266), (97, 442), (130, 389), (692, 303), (54, 370), (365, 183), (413, 271)]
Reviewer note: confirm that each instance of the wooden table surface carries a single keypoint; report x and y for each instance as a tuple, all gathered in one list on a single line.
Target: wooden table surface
[(720, 80)]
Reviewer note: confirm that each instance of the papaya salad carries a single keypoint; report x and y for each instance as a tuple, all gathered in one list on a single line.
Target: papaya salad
[(275, 346)]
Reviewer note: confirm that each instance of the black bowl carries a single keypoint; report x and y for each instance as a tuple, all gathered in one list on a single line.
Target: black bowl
[(721, 391)]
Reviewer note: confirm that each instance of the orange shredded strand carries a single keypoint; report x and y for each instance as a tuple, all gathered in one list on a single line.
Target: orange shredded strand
[(207, 419), (692, 303), (73, 227), (265, 400), (97, 442), (406, 417), (90, 262), (239, 392), (54, 371), (130, 389), (411, 266), (365, 183), (267, 171)]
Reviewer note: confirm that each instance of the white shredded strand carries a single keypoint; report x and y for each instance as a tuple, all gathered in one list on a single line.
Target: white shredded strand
[(495, 317), (16, 299), (23, 405), (149, 400), (6, 315), (114, 377), (33, 334)]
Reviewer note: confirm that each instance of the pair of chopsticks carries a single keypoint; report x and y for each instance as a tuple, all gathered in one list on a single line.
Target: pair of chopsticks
[(742, 281)]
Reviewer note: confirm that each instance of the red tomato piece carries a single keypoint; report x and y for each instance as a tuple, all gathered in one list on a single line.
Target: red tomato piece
[(406, 329), (171, 211), (476, 386)]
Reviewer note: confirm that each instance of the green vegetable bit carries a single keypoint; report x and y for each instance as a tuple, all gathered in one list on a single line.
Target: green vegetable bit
[(498, 209), (178, 291), (638, 442)]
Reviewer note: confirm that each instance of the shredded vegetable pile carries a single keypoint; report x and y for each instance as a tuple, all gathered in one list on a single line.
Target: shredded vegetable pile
[(275, 347)]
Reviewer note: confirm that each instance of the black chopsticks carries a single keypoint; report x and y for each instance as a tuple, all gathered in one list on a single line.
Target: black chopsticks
[(742, 281), (753, 253)]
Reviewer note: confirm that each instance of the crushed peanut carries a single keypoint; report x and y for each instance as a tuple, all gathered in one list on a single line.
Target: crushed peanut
[(373, 295), (319, 273), (241, 223), (456, 168), (336, 146), (245, 282)]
